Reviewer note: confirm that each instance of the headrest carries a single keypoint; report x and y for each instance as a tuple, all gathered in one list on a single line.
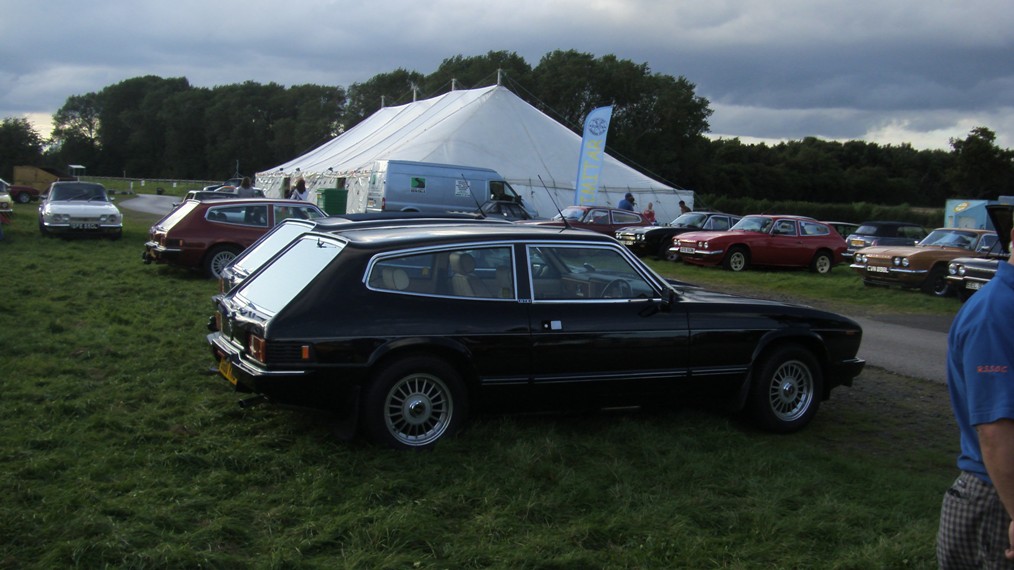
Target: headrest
[(462, 263)]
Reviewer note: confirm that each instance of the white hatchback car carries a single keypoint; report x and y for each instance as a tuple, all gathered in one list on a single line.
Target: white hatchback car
[(79, 208)]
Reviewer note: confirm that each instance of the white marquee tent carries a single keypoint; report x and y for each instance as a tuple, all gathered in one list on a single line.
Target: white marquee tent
[(489, 127)]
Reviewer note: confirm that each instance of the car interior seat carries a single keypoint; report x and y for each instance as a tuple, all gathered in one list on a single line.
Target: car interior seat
[(464, 281), (395, 278)]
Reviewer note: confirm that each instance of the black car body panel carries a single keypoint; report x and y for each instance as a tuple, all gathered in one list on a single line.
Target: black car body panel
[(968, 274), (657, 240), (552, 333)]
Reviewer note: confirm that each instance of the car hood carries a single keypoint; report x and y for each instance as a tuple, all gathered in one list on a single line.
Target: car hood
[(911, 250), (703, 235), (774, 309), (74, 207)]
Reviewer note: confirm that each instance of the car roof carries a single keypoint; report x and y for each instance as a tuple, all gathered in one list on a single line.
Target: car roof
[(399, 236), (886, 223), (227, 201)]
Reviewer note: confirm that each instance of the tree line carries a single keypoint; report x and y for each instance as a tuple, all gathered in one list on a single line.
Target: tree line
[(154, 127)]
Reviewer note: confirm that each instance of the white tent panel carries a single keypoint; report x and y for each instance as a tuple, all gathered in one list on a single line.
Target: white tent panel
[(489, 127)]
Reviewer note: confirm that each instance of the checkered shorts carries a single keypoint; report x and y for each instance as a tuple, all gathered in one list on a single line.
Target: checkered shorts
[(973, 526)]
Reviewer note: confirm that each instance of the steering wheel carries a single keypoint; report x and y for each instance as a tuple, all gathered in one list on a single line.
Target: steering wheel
[(617, 289)]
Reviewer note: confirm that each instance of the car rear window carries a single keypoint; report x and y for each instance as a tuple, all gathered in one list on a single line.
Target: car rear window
[(265, 249), (289, 273), (176, 215)]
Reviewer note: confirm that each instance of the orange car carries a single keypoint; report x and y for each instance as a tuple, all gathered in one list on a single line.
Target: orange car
[(923, 265)]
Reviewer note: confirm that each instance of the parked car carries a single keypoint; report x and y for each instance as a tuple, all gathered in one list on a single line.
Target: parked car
[(601, 219), (79, 209), (412, 329), (883, 233), (766, 240), (967, 275), (6, 211), (844, 229), (283, 233), (658, 240), (220, 193), (923, 265), (208, 235), (20, 193), (505, 209)]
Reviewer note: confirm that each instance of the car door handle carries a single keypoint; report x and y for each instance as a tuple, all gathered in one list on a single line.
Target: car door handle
[(552, 325)]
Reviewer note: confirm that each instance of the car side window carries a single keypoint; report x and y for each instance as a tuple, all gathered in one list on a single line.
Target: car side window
[(784, 228), (716, 223), (986, 243), (598, 217), (247, 215), (812, 229), (581, 273), (620, 218), (485, 273), (285, 211)]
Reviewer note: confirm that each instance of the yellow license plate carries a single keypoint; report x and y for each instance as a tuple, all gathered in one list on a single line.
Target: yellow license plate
[(225, 369)]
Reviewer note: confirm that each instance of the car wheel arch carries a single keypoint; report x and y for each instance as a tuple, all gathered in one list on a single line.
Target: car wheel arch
[(774, 341), (444, 349)]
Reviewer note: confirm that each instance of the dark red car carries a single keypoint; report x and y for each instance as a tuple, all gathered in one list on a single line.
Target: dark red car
[(208, 235), (766, 240), (601, 219)]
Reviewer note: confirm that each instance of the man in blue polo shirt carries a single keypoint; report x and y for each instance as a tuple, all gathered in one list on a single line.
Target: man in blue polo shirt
[(975, 520)]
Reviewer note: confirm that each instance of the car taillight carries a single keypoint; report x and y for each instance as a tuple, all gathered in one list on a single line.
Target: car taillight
[(383, 204), (258, 348)]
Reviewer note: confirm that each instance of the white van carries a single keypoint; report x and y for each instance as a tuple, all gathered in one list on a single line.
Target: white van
[(406, 186)]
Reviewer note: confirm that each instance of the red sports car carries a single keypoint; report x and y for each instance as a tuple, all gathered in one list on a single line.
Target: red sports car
[(766, 240), (208, 235)]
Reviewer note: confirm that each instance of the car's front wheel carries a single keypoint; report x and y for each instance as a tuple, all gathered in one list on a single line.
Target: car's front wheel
[(786, 389), (936, 283), (216, 259), (413, 403), (24, 197), (668, 251), (738, 259)]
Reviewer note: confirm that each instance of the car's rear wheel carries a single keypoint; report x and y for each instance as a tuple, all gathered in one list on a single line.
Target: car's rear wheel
[(786, 389), (936, 283), (821, 263), (738, 259), (24, 197), (217, 258), (413, 403)]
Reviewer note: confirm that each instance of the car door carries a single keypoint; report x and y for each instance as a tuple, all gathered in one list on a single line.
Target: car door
[(601, 332), (783, 246)]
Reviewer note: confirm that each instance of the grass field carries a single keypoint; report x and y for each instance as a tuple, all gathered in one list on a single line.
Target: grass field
[(117, 449)]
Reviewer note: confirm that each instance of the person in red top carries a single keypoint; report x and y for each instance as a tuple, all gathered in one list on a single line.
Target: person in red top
[(649, 213)]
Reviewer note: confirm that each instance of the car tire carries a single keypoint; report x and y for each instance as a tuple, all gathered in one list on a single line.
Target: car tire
[(217, 258), (738, 259), (413, 403), (42, 228), (936, 283), (786, 389), (665, 254), (821, 263), (23, 197)]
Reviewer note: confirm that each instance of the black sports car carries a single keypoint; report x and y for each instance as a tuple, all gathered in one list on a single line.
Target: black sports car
[(657, 240), (411, 329)]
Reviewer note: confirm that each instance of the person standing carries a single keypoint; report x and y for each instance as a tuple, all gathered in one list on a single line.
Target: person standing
[(683, 207), (649, 213), (245, 189), (627, 203), (975, 518), (299, 191)]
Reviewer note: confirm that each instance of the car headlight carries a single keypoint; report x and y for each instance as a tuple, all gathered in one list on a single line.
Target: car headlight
[(896, 261), (952, 268), (904, 262), (639, 237), (961, 270), (702, 244)]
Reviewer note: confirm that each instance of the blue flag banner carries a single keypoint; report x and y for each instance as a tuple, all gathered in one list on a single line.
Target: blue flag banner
[(593, 151)]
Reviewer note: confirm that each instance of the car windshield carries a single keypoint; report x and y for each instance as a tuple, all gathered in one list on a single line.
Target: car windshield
[(289, 273), (67, 192), (754, 224), (571, 213), (690, 220), (950, 238)]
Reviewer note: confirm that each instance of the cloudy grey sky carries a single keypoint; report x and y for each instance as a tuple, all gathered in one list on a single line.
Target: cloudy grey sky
[(886, 71)]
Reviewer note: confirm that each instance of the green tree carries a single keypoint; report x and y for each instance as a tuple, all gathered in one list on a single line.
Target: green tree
[(19, 144), (981, 168), (382, 90), (477, 71)]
